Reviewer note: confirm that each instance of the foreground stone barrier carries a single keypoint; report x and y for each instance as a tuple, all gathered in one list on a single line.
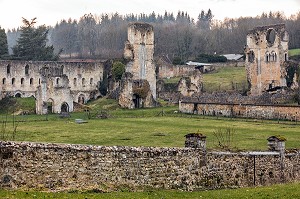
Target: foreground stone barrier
[(68, 167)]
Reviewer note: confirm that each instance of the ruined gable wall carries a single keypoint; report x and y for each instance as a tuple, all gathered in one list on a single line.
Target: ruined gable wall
[(141, 42), (266, 51), (69, 167)]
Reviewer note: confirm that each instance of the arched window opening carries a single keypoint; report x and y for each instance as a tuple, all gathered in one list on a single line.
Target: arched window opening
[(83, 81), (91, 81), (4, 81), (81, 99), (8, 69), (57, 81), (267, 57), (64, 108), (13, 80), (39, 81), (271, 35), (251, 56), (285, 57), (22, 81), (31, 81), (26, 69), (75, 81)]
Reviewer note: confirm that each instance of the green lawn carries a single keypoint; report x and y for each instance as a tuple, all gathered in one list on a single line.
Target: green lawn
[(225, 78), (290, 191), (222, 79), (293, 52), (147, 127)]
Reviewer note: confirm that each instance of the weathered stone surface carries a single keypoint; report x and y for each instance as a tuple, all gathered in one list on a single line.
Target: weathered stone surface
[(266, 52), (68, 167), (285, 112), (139, 50), (187, 86)]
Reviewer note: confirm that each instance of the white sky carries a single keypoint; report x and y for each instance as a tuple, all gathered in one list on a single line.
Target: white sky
[(49, 12)]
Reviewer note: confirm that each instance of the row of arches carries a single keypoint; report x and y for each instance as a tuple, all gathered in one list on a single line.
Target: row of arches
[(83, 81), (22, 81), (8, 69), (271, 57)]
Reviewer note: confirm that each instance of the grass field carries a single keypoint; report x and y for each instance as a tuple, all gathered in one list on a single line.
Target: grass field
[(288, 191), (225, 78), (294, 52), (222, 79), (147, 127)]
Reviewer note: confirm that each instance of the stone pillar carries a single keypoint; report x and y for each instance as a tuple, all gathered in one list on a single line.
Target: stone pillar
[(276, 143), (195, 140)]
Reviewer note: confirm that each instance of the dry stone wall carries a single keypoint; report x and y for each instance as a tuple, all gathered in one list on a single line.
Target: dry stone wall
[(283, 112), (68, 167)]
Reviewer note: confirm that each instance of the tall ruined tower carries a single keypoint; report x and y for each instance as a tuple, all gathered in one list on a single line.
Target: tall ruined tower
[(140, 88), (266, 54)]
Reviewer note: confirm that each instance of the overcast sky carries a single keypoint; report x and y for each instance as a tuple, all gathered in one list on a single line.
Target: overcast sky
[(49, 12)]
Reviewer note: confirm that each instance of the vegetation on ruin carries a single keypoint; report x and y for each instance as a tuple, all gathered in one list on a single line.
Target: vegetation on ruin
[(290, 191), (118, 68)]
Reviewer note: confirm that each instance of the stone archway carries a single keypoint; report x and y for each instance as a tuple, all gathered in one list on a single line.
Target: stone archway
[(18, 95), (50, 106), (64, 107)]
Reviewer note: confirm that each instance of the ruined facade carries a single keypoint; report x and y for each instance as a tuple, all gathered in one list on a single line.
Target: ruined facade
[(54, 85), (190, 85), (266, 53), (138, 86)]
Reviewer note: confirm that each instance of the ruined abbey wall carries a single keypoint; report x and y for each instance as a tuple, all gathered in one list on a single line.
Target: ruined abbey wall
[(266, 50), (69, 167), (139, 51), (283, 112), (55, 82)]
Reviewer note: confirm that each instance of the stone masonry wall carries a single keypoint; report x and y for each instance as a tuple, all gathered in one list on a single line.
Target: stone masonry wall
[(68, 167), (284, 112)]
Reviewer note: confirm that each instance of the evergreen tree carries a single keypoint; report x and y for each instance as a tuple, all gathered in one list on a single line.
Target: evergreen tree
[(32, 43), (3, 43)]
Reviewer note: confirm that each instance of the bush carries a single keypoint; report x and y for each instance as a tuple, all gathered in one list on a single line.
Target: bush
[(118, 69), (177, 61)]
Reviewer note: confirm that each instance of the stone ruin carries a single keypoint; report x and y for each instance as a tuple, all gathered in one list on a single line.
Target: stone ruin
[(266, 53), (190, 85), (54, 85), (138, 84)]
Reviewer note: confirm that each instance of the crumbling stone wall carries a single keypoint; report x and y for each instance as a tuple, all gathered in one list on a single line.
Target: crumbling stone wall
[(266, 52), (60, 82), (69, 167), (283, 112), (139, 50), (190, 85)]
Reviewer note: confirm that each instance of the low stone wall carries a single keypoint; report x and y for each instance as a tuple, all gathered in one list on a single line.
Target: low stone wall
[(61, 166), (283, 112)]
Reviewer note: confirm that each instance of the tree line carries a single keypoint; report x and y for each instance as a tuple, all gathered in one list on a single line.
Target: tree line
[(177, 36)]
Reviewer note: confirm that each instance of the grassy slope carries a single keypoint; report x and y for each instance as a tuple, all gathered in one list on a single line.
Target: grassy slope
[(223, 78), (294, 52), (290, 191)]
